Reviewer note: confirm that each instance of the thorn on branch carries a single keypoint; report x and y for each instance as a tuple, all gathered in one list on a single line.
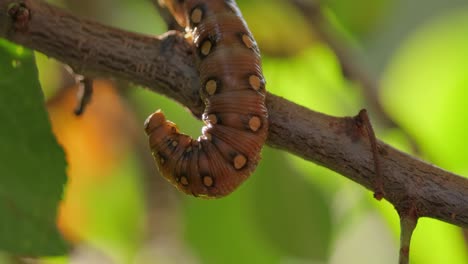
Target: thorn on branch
[(20, 16), (408, 222), (362, 121), (85, 92)]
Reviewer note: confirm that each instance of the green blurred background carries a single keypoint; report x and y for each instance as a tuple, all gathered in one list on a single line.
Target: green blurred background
[(118, 210)]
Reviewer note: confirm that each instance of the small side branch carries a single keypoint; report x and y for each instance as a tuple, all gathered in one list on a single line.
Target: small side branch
[(363, 120), (408, 222)]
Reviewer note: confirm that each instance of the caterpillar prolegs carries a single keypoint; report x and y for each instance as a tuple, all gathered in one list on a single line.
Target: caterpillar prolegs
[(233, 90)]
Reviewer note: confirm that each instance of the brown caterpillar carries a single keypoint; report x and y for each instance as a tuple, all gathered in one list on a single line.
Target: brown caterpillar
[(233, 89)]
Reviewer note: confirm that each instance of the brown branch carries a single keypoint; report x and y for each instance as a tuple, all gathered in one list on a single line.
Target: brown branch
[(165, 66)]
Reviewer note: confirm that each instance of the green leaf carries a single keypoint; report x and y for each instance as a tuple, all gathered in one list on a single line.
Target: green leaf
[(282, 16), (438, 242), (290, 211), (313, 80), (224, 231), (32, 171), (425, 89), (117, 230), (370, 13)]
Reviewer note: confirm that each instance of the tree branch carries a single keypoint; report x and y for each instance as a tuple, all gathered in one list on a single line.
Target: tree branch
[(165, 65)]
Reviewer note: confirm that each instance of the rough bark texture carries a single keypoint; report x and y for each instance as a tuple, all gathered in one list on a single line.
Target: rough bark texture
[(165, 65)]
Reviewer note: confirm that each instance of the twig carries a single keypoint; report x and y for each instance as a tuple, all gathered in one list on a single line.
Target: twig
[(408, 222), (165, 65)]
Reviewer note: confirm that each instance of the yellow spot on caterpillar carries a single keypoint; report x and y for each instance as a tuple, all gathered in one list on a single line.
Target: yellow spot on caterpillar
[(255, 82), (196, 15), (213, 119), (174, 143), (206, 47), (184, 180), (240, 161), (248, 42), (208, 181), (210, 87), (255, 123)]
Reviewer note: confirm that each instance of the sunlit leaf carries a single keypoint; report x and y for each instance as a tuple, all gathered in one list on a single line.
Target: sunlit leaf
[(314, 80), (32, 174), (438, 242), (282, 17)]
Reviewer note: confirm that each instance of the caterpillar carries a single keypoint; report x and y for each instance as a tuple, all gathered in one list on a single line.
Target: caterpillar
[(233, 90)]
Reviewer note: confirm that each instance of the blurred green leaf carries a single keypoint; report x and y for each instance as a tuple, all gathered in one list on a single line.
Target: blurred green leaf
[(32, 174), (313, 79), (5, 258), (148, 102), (290, 212), (425, 89), (137, 16), (223, 231), (365, 241), (118, 200), (282, 17), (437, 242), (49, 70), (55, 260), (359, 16)]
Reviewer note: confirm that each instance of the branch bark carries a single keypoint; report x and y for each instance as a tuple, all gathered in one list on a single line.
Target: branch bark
[(165, 65)]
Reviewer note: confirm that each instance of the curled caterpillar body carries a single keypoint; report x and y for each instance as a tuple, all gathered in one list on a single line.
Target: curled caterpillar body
[(233, 89)]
